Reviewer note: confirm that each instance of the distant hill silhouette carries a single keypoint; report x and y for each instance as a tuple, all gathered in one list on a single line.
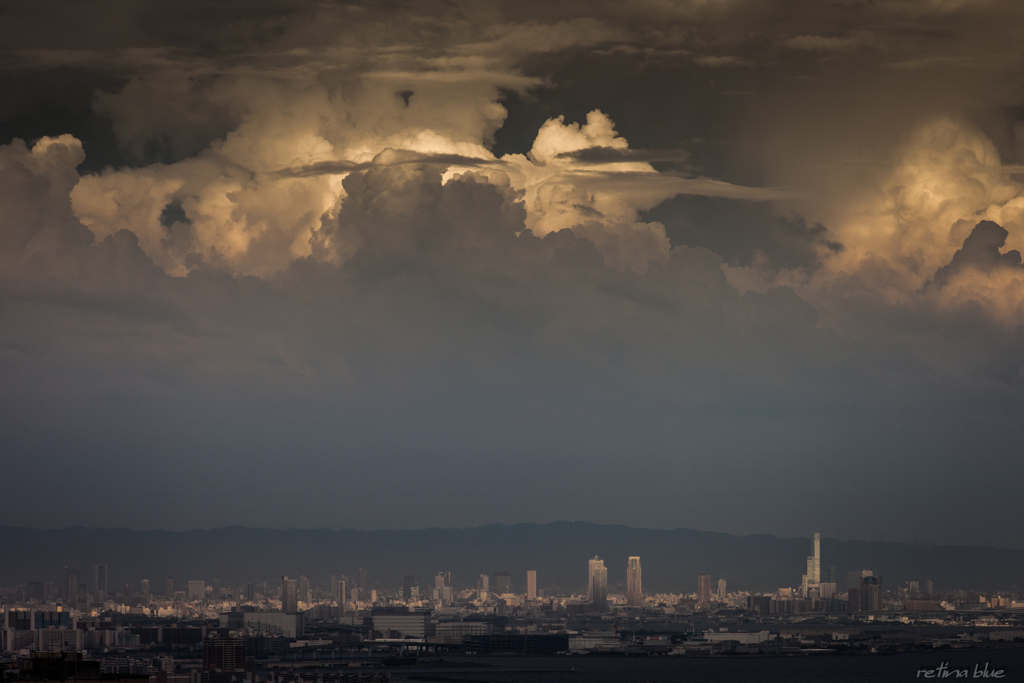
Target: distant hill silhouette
[(559, 551)]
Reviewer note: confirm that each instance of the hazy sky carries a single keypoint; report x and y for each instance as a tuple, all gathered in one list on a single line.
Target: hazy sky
[(740, 266)]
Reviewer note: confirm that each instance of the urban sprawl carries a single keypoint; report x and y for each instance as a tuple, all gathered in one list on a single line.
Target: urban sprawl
[(295, 630)]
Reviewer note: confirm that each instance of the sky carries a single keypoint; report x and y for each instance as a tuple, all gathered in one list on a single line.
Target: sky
[(732, 265)]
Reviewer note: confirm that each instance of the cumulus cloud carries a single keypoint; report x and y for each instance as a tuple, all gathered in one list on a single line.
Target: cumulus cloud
[(354, 242), (945, 178), (35, 184)]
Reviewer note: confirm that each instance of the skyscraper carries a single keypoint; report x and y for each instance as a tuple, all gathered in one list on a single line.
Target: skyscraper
[(531, 584), (340, 594), (871, 593), (634, 583), (362, 582), (289, 595), (408, 581), (304, 591), (483, 586), (144, 585), (816, 578), (721, 590), (703, 590), (169, 588), (99, 581), (196, 590), (250, 592), (502, 582), (597, 584), (812, 578), (71, 587), (832, 573)]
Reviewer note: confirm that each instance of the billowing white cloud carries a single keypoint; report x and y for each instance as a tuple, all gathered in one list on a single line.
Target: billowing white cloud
[(944, 180), (321, 234)]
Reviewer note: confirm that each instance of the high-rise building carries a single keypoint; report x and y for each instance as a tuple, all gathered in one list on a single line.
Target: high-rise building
[(439, 581), (144, 586), (816, 577), (483, 586), (531, 584), (871, 593), (215, 593), (340, 594), (832, 573), (250, 592), (634, 583), (408, 581), (721, 590), (304, 591), (362, 581), (812, 577), (597, 583), (502, 582), (929, 588), (703, 590), (99, 581), (196, 590), (856, 599), (289, 595), (71, 587), (335, 580)]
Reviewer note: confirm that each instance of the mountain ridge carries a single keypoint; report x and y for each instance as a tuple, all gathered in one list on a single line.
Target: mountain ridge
[(671, 558)]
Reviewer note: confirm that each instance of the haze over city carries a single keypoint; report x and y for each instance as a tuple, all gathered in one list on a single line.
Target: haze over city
[(735, 266)]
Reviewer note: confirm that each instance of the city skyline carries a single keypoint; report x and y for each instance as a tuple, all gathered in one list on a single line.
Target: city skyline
[(210, 630), (863, 588), (671, 558)]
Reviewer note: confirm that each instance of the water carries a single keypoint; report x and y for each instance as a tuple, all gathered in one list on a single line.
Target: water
[(796, 669)]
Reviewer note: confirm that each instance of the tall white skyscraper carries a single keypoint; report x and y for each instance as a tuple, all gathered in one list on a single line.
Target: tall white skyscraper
[(634, 583), (721, 590), (813, 576), (531, 584), (597, 583), (817, 558)]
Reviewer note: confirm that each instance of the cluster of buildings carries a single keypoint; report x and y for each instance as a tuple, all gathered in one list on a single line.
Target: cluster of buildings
[(192, 627)]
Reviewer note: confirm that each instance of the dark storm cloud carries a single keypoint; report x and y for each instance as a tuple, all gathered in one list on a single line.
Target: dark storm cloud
[(400, 157), (330, 280), (980, 252), (611, 155)]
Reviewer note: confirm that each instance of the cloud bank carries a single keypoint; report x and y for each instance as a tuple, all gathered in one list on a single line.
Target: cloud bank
[(375, 266)]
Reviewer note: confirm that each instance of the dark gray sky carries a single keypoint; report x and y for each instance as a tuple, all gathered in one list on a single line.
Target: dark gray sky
[(707, 264)]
